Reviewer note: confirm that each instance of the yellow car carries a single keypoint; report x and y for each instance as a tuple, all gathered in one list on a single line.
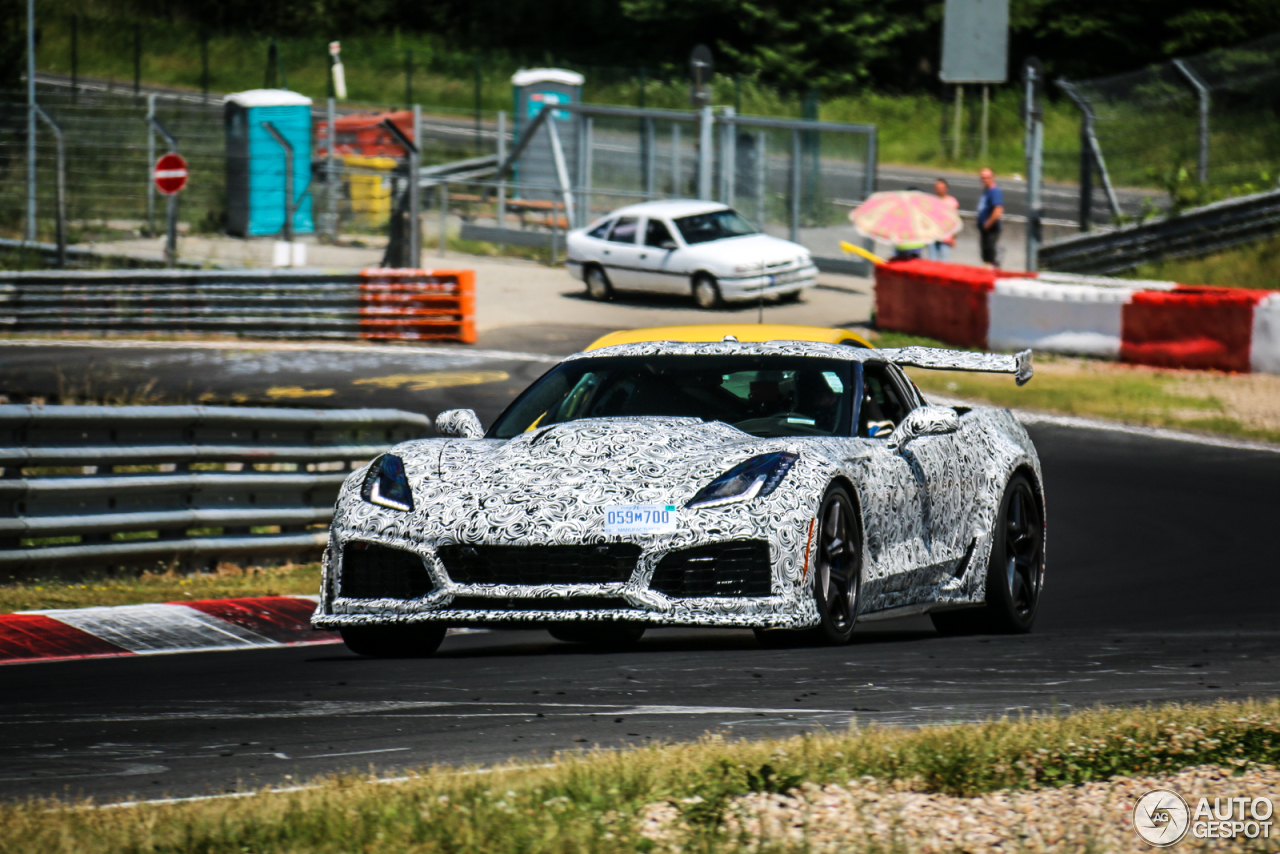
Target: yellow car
[(745, 332)]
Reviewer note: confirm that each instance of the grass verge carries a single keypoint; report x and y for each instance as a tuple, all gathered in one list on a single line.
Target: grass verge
[(1253, 265), (596, 801), (226, 582)]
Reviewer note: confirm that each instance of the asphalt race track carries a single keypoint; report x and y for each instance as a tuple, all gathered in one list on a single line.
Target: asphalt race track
[(1162, 586)]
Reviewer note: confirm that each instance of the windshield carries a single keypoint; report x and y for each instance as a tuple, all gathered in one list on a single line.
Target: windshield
[(761, 395), (717, 225)]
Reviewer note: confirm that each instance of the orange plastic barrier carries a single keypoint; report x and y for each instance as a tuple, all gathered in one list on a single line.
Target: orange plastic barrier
[(1190, 327), (936, 299), (363, 133), (418, 304)]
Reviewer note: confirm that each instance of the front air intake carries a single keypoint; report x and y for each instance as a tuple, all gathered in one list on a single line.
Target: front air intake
[(371, 571), (733, 569)]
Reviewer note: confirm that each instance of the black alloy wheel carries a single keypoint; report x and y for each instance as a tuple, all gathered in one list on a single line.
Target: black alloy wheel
[(1015, 573), (599, 287), (406, 641), (607, 635), (836, 565)]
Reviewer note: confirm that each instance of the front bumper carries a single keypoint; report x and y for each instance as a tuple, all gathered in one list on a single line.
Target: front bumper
[(751, 287)]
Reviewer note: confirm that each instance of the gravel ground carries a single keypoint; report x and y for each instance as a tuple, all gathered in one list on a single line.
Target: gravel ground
[(867, 814)]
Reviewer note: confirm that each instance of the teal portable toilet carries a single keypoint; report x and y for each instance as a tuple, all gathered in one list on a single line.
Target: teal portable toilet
[(256, 161), (535, 88)]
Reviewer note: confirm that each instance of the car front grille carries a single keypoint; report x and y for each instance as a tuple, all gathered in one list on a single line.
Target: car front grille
[(736, 568), (371, 571), (542, 603), (533, 565)]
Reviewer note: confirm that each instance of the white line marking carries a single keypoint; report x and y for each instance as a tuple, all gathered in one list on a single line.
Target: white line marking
[(354, 753), (321, 347)]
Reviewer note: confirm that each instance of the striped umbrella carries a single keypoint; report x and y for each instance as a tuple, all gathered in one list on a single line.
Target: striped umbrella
[(905, 218)]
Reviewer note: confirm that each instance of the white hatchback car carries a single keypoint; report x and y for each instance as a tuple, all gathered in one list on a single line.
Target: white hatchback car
[(677, 247)]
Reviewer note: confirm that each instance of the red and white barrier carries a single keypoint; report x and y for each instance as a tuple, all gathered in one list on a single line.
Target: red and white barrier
[(200, 626), (1150, 323)]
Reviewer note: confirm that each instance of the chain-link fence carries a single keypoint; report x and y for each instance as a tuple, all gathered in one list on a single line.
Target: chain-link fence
[(1202, 128)]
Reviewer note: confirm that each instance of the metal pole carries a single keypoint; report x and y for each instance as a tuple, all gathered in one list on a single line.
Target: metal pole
[(705, 155), (1086, 175), (761, 175), (31, 122), (794, 227), (171, 234), (151, 164), (589, 163), (502, 156), (137, 59), (204, 65), (61, 198), (1034, 146), (408, 80), (415, 192), (986, 109), (955, 130), (728, 159), (288, 179), (478, 95), (651, 158), (1092, 138), (675, 158), (562, 172), (873, 163), (443, 192), (75, 55), (331, 167), (1202, 92)]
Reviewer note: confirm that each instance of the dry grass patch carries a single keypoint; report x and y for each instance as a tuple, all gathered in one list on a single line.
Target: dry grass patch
[(226, 582), (599, 801)]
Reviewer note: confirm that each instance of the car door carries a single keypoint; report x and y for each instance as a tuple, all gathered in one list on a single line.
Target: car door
[(895, 502), (658, 258), (946, 467), (621, 253)]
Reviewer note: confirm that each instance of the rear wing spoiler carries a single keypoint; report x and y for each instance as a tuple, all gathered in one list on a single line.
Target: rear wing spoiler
[(962, 360)]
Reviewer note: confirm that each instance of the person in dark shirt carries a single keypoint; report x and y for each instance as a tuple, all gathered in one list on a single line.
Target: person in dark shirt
[(990, 214)]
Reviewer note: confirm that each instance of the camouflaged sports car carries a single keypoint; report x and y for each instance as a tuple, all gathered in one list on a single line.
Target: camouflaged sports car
[(790, 487)]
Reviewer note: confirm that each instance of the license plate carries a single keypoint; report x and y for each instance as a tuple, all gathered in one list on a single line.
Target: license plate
[(640, 519)]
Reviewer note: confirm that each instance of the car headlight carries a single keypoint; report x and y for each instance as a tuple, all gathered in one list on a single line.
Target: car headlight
[(386, 484), (747, 268), (756, 477)]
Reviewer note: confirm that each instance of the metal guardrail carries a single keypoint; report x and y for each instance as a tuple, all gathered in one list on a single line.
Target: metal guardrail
[(258, 303), (132, 485), (1194, 232)]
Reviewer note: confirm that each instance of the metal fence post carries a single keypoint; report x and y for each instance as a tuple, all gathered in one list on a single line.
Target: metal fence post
[(151, 164), (794, 225), (502, 158), (650, 158), (562, 171), (1091, 138), (288, 179), (1035, 163), (675, 158), (873, 154), (1086, 175), (955, 144), (331, 169), (706, 156), (1202, 93), (442, 190), (762, 209), (31, 122), (588, 163), (61, 186), (415, 191), (728, 156)]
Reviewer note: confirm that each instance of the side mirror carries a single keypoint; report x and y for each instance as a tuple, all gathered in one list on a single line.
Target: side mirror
[(668, 245), (460, 424), (924, 421)]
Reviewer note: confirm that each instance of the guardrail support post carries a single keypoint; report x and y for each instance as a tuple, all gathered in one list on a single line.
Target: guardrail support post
[(61, 186)]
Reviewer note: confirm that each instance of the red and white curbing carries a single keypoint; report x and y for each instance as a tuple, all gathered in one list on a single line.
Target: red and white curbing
[(1164, 324), (200, 626)]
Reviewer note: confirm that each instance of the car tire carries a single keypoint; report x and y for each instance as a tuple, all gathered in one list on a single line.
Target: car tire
[(706, 293), (1015, 572), (608, 635), (835, 563), (599, 288), (413, 641)]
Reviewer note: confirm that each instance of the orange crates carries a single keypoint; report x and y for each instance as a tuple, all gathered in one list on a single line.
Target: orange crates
[(418, 304)]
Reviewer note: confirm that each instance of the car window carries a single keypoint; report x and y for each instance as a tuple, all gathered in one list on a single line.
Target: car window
[(760, 395), (884, 402), (656, 233), (717, 225), (624, 230), (601, 231)]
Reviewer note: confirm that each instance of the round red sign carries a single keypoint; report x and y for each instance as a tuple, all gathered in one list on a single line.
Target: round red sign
[(170, 173)]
